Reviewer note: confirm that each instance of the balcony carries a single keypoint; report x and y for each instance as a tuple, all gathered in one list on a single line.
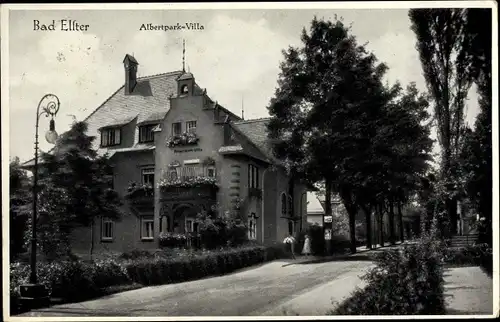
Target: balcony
[(189, 182)]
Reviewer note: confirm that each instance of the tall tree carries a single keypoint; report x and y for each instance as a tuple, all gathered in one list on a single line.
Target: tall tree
[(477, 156), (411, 146), (442, 45), (323, 114), (20, 197), (75, 187)]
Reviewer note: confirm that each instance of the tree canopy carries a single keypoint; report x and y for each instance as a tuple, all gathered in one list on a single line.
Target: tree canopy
[(455, 51), (74, 189), (334, 120)]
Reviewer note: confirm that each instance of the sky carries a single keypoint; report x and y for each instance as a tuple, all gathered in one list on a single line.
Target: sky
[(235, 57)]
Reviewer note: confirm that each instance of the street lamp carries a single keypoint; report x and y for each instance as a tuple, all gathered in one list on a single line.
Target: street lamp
[(34, 294)]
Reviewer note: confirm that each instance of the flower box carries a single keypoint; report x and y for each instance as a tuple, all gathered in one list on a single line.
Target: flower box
[(188, 182), (187, 138), (134, 190)]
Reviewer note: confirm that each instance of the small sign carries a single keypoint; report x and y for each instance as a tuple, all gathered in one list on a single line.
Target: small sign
[(328, 219), (328, 234), (188, 150)]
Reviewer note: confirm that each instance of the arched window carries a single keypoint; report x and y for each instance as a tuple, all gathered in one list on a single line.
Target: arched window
[(290, 206), (283, 204)]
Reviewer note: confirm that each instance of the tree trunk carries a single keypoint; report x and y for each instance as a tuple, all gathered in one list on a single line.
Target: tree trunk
[(91, 238), (401, 227), (328, 212), (352, 229), (451, 207), (368, 218), (351, 210), (291, 192), (392, 238), (380, 216)]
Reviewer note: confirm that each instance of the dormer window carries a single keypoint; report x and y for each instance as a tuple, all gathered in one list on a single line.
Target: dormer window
[(110, 137), (146, 133), (184, 89)]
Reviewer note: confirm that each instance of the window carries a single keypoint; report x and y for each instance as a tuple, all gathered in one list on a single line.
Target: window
[(191, 126), (107, 229), (146, 133), (211, 172), (147, 227), (172, 174), (164, 224), (148, 176), (283, 204), (189, 225), (110, 137), (176, 128), (252, 227), (184, 89), (290, 206), (253, 176)]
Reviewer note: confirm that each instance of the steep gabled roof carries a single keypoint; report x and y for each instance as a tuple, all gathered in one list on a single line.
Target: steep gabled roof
[(148, 102), (256, 131), (314, 206)]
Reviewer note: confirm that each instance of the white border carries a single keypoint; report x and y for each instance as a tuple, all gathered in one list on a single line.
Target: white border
[(239, 6)]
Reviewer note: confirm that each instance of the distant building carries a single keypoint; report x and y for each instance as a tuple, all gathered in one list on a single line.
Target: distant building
[(315, 210)]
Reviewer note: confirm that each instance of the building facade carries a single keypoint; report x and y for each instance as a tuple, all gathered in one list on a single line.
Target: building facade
[(176, 152)]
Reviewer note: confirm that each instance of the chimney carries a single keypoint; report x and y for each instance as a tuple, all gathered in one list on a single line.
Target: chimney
[(130, 65)]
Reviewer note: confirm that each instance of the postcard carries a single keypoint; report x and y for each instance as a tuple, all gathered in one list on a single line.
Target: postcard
[(235, 161)]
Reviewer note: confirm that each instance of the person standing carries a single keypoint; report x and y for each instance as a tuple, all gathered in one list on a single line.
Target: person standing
[(306, 250)]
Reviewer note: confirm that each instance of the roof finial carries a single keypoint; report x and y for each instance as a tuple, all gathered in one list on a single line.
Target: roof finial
[(242, 109), (183, 55)]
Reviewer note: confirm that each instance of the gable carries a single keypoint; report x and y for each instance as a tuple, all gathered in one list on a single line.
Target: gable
[(238, 143), (255, 131)]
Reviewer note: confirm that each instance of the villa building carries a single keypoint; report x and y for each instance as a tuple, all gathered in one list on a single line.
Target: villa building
[(176, 152)]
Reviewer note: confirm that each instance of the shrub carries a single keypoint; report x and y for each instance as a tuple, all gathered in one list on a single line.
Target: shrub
[(340, 245), (317, 239), (300, 238), (172, 240), (237, 234), (404, 281), (479, 254), (77, 281), (136, 253)]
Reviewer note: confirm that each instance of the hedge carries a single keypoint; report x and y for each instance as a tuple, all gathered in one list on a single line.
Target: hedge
[(479, 254), (73, 281), (406, 281)]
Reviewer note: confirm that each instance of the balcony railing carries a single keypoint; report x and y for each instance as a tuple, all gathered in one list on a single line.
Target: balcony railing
[(188, 176), (186, 173)]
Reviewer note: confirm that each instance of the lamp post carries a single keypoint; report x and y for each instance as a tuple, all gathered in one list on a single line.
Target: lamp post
[(34, 294)]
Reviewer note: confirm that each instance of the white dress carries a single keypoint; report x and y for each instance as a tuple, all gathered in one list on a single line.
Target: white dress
[(307, 247)]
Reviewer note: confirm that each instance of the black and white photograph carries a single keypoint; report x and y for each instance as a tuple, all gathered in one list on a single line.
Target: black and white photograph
[(180, 161)]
